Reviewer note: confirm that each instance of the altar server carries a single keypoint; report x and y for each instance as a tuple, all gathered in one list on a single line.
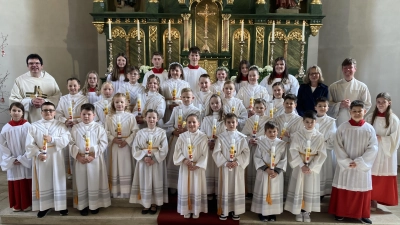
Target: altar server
[(118, 76), (132, 88), (92, 87), (234, 105), (157, 60), (103, 106), (193, 70)]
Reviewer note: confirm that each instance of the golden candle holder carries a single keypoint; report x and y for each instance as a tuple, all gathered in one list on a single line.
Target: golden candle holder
[(110, 57), (139, 57), (169, 42), (241, 43), (271, 58), (301, 69)]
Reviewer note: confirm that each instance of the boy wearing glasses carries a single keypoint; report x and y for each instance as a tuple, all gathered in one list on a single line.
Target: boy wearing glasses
[(34, 88), (44, 143)]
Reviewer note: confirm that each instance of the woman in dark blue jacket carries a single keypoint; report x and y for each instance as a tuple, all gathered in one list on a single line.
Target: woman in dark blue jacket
[(311, 89)]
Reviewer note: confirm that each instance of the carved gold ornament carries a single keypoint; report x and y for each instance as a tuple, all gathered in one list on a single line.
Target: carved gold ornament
[(153, 33), (260, 34), (259, 2), (316, 2), (153, 1), (315, 29), (98, 0), (295, 34), (99, 26), (118, 32)]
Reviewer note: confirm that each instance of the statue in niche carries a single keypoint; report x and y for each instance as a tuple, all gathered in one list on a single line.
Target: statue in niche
[(288, 4), (125, 5)]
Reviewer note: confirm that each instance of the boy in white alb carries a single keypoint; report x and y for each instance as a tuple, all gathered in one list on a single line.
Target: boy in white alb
[(202, 97), (234, 105), (87, 147), (132, 88), (157, 61), (103, 106), (193, 71)]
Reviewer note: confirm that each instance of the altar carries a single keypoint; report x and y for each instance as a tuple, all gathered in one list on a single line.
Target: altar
[(226, 31)]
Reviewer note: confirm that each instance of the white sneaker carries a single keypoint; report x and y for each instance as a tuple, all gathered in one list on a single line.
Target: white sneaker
[(299, 217), (306, 217), (195, 216), (187, 216), (15, 210), (28, 209)]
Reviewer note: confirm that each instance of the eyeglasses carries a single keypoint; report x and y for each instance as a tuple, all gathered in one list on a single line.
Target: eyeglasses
[(48, 110)]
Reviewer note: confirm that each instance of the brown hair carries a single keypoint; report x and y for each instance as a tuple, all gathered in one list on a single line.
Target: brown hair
[(306, 78), (274, 73), (85, 88), (184, 90), (387, 97), (230, 116), (19, 106), (240, 75), (115, 73), (348, 62), (281, 85), (221, 114), (260, 101), (229, 82), (113, 110), (148, 81), (174, 66)]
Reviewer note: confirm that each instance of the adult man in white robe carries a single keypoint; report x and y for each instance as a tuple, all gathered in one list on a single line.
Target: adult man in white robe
[(44, 143), (34, 88), (346, 90)]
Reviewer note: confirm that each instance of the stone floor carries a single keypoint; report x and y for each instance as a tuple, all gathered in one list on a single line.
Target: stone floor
[(121, 212)]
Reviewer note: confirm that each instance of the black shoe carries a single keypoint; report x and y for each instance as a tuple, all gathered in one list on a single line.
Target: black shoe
[(339, 218), (95, 211), (64, 212), (263, 218), (42, 214), (84, 212), (153, 209), (145, 211), (321, 197), (366, 220), (249, 196), (272, 218)]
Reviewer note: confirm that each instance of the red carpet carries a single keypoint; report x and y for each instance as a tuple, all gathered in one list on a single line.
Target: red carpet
[(169, 215)]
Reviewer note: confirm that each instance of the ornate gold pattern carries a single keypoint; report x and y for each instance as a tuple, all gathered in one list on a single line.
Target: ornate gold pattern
[(179, 21), (280, 34), (98, 0), (153, 33), (127, 20), (99, 26), (260, 34), (316, 2), (153, 1), (210, 65), (232, 21), (230, 2), (175, 34), (163, 20), (118, 32), (117, 21), (296, 22), (278, 22), (315, 29), (133, 33), (259, 2), (237, 34), (295, 34), (269, 21), (287, 21), (251, 22), (181, 1)]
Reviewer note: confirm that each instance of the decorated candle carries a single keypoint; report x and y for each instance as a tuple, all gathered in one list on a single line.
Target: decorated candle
[(308, 151), (119, 127), (44, 148), (284, 129), (174, 92), (139, 104), (87, 144), (255, 125), (150, 145), (214, 129), (273, 157), (105, 110), (180, 118), (128, 97), (232, 152), (271, 110), (233, 109), (190, 149), (70, 110), (251, 104)]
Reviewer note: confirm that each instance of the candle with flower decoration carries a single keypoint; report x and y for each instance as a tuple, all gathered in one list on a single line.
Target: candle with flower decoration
[(180, 118), (70, 108), (44, 147), (119, 127), (105, 110), (255, 125), (139, 104), (271, 110), (273, 157), (128, 97), (232, 152), (308, 151), (251, 104), (87, 144), (284, 129), (150, 145), (214, 130), (190, 149)]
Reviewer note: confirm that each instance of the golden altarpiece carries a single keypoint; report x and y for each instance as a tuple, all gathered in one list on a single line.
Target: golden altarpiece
[(226, 31)]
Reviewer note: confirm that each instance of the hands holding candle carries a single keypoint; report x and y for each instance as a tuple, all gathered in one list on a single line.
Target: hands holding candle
[(87, 144), (231, 164), (46, 139), (283, 132), (271, 172)]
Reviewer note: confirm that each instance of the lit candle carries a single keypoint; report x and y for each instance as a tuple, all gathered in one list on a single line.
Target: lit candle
[(214, 129), (109, 29), (139, 104), (232, 152), (87, 144), (284, 129), (138, 29), (169, 30), (44, 148), (273, 157), (273, 31), (128, 97), (190, 149), (180, 118), (242, 30), (303, 31), (308, 151), (70, 111), (255, 126), (150, 145), (271, 110), (119, 127)]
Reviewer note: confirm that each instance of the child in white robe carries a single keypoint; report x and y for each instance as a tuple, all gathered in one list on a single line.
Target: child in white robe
[(277, 100), (157, 60), (150, 148), (308, 153), (202, 96), (270, 162), (190, 155), (151, 99), (87, 147), (171, 88), (121, 129), (44, 143), (15, 161), (231, 155), (132, 88), (193, 70), (326, 125), (356, 147), (175, 127), (253, 128), (92, 87), (222, 74), (384, 169), (234, 105), (252, 91), (103, 106), (212, 126), (118, 76), (242, 79)]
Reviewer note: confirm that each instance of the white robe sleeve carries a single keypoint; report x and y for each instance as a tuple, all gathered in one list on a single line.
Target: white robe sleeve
[(318, 160), (365, 162), (32, 149), (162, 151), (178, 154), (217, 155), (8, 159), (390, 143)]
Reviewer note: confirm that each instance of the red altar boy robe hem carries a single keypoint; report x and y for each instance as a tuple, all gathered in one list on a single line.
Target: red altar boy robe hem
[(20, 193), (385, 190), (351, 204)]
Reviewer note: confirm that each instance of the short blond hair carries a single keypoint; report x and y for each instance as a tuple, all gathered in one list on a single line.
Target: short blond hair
[(186, 90), (306, 78)]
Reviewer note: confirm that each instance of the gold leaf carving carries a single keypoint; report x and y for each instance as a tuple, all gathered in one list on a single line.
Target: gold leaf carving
[(99, 27), (259, 2), (117, 21), (315, 29), (232, 21), (280, 34), (153, 33), (287, 21), (153, 1), (260, 34), (127, 20), (316, 2), (133, 33), (295, 34), (237, 34), (174, 33), (118, 32), (230, 2)]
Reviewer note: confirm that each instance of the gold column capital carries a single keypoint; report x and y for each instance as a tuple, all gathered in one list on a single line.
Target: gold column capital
[(98, 0), (316, 2), (315, 29), (181, 1), (153, 1), (260, 2), (186, 16), (99, 26), (226, 16), (230, 2)]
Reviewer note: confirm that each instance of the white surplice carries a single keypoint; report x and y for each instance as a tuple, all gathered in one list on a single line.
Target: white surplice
[(118, 83), (218, 87), (212, 170), (150, 181), (93, 97), (133, 89), (162, 76), (257, 91), (192, 77), (341, 90), (231, 184), (358, 144), (151, 100), (291, 87), (172, 124), (90, 182), (77, 101), (385, 163), (121, 163), (12, 147), (239, 110), (100, 107), (248, 131), (166, 90), (238, 86), (49, 176), (305, 187), (279, 109), (26, 83), (263, 183), (192, 184), (326, 125)]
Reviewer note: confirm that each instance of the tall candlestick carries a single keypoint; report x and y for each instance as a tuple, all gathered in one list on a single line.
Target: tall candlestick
[(109, 28), (255, 126), (139, 104), (273, 31), (180, 118), (232, 152), (87, 144), (273, 157), (271, 110), (169, 30), (214, 129), (242, 30), (138, 29), (303, 31)]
